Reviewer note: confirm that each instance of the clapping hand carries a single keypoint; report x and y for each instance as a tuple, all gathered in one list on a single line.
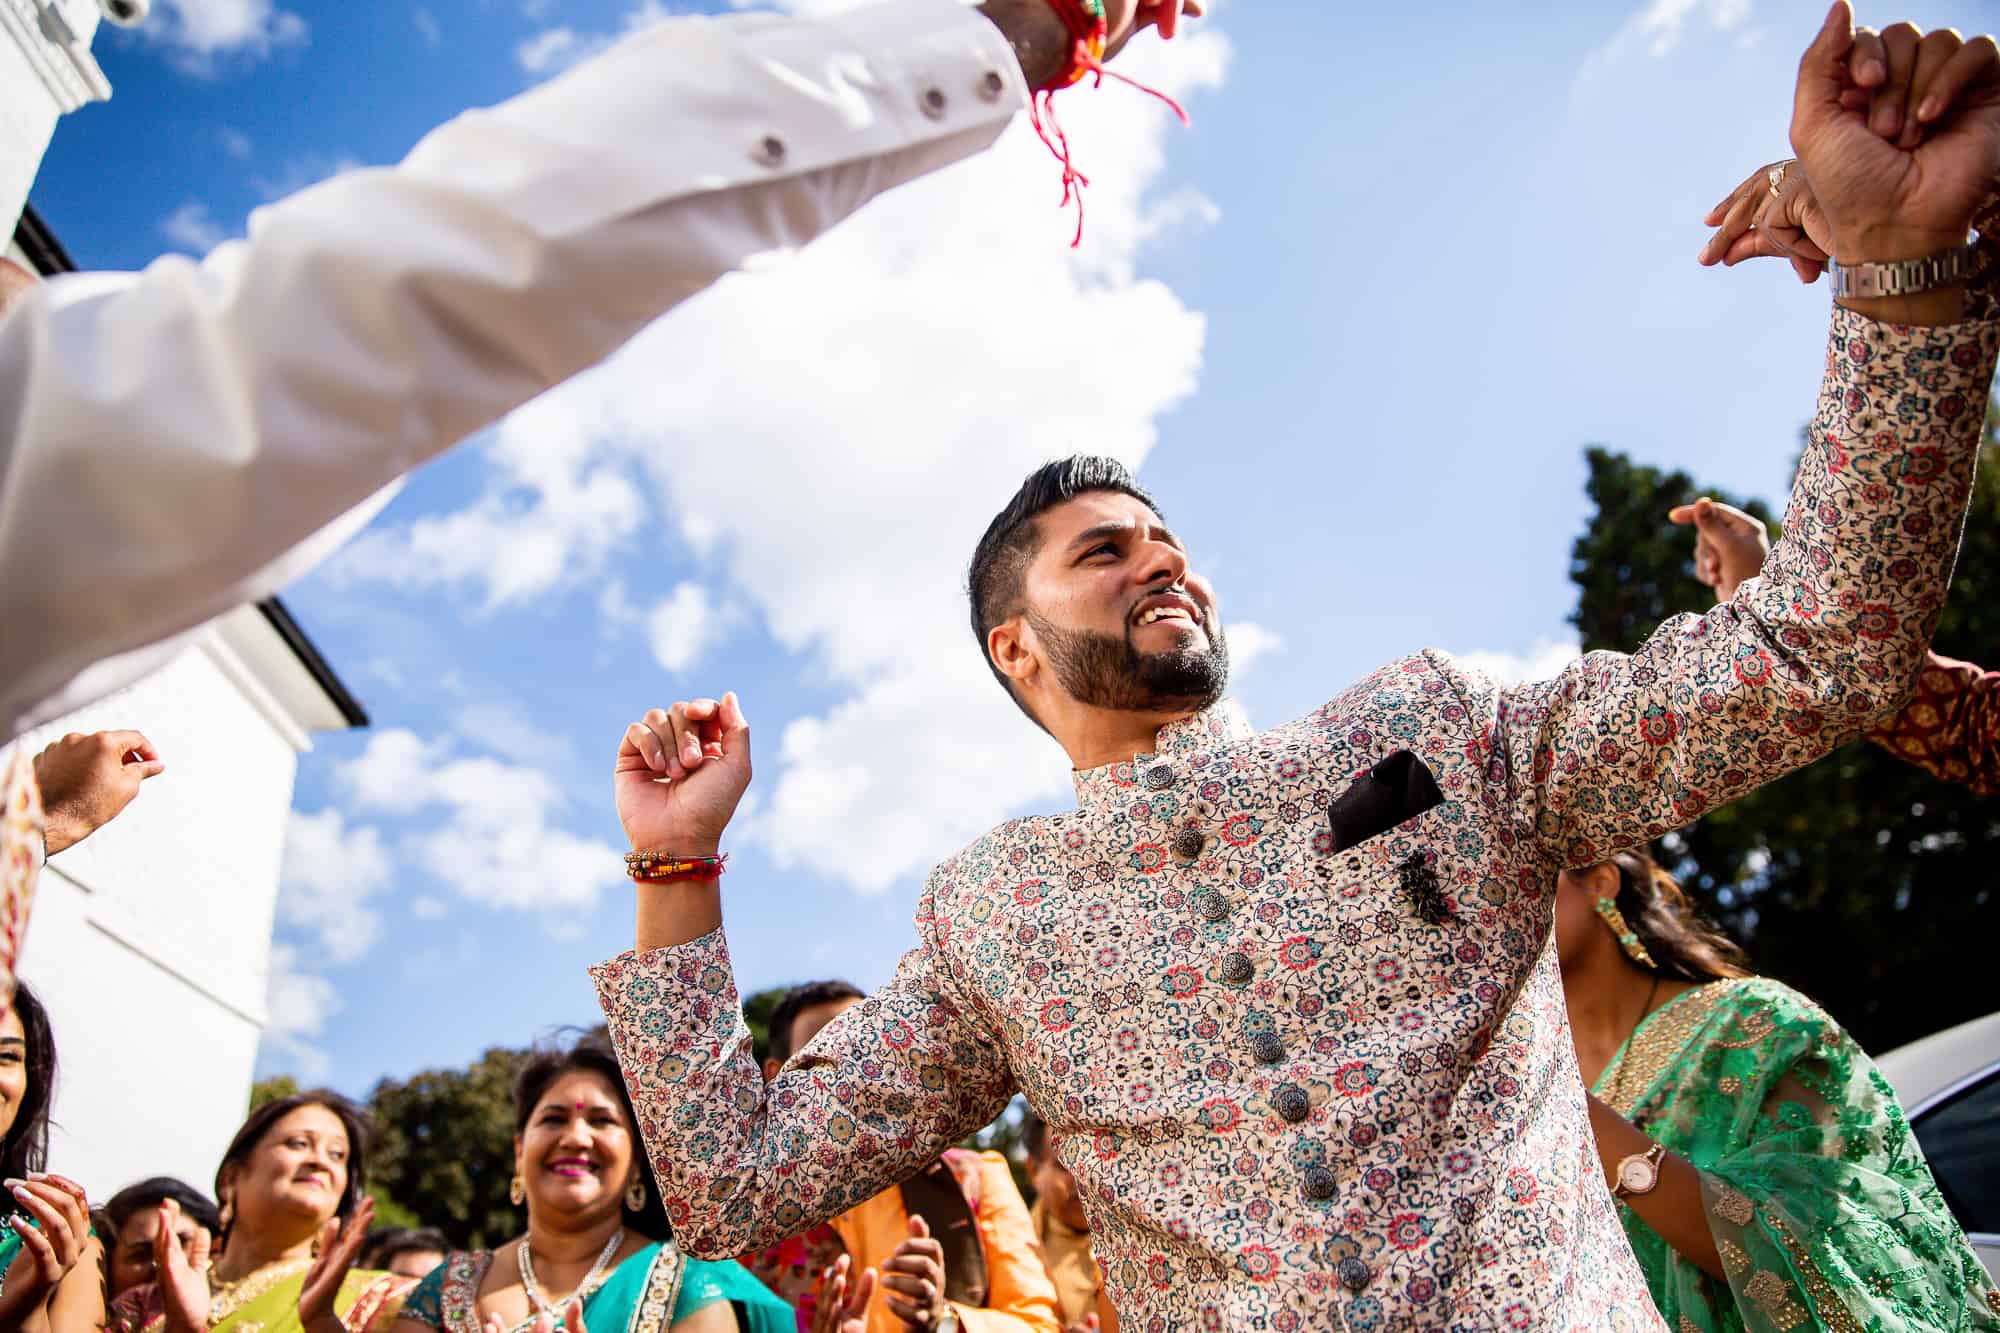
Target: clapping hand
[(680, 773), (53, 1248), (339, 1246), (1729, 545), (913, 1278), (182, 1274), (839, 1309)]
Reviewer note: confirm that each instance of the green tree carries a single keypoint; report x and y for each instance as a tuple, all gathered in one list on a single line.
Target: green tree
[(446, 1152), (1860, 880), (272, 1090)]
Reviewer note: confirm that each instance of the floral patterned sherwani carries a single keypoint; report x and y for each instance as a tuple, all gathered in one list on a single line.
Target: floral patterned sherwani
[(1303, 1088)]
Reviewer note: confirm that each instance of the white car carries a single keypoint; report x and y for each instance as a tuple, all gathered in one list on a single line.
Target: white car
[(1949, 1084)]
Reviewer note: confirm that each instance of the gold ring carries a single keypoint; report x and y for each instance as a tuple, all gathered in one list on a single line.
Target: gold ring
[(1776, 176)]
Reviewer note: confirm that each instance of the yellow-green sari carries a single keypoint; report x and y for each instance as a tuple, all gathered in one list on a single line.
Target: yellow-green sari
[(267, 1301)]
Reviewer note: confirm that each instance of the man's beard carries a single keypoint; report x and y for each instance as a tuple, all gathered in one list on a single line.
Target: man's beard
[(1107, 671)]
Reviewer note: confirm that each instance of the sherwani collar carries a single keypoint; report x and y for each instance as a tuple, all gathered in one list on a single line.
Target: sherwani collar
[(1115, 783)]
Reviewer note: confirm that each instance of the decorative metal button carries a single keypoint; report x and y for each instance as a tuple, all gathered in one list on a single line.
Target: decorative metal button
[(1319, 1187), (992, 85), (1267, 1046), (1292, 1102), (1236, 968), (770, 150), (1187, 843), (1354, 1273), (934, 103), (1212, 905), (1160, 777)]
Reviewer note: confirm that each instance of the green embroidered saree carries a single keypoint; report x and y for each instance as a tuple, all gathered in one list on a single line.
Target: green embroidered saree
[(1819, 1199)]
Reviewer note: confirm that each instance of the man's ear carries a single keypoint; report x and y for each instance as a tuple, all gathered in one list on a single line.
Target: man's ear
[(1012, 648)]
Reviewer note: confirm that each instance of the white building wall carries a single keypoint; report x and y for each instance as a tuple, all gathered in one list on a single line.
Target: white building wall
[(150, 941), (46, 69)]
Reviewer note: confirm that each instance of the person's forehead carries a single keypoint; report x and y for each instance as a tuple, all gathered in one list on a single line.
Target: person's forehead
[(1094, 509), (580, 1085), (310, 1120), (816, 1016)]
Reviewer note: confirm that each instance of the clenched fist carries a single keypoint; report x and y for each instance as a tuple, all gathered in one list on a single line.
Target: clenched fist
[(681, 772)]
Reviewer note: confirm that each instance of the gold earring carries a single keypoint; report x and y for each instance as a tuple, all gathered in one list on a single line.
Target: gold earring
[(517, 1193), (635, 1195), (1634, 948)]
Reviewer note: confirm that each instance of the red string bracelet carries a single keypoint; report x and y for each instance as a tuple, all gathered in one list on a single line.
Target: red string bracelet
[(1090, 33)]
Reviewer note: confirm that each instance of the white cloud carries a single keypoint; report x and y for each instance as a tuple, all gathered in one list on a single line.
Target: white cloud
[(235, 143), (193, 228), (684, 627), (494, 843), (297, 1005), (503, 727), (428, 27), (299, 172), (549, 50), (1247, 643), (330, 871), (1655, 31), (427, 908), (553, 50), (831, 432), (201, 34), (557, 506), (1543, 660)]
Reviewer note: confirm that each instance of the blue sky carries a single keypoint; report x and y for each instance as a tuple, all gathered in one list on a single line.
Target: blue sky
[(1356, 326)]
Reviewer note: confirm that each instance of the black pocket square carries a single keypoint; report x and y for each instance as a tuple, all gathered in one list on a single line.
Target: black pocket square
[(1400, 787)]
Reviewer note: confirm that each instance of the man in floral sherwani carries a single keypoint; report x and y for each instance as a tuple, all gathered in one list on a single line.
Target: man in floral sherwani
[(1288, 1000)]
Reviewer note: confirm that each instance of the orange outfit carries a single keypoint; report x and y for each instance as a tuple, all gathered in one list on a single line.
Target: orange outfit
[(1073, 1268), (1018, 1298)]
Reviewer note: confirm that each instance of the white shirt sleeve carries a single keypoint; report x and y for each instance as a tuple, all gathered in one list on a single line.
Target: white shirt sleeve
[(168, 437)]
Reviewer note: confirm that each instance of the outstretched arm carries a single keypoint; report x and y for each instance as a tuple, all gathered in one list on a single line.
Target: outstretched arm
[(167, 438), (882, 1090), (1619, 749)]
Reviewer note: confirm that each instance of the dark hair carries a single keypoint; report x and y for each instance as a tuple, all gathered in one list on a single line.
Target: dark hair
[(785, 1016), (388, 1242), (154, 1190), (260, 1120), (25, 1146), (1685, 945), (1034, 1134), (592, 1054), (999, 569)]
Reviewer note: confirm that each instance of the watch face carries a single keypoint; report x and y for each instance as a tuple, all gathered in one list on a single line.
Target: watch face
[(1636, 1174)]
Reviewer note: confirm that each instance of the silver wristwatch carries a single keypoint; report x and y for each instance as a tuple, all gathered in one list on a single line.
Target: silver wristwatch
[(1905, 277)]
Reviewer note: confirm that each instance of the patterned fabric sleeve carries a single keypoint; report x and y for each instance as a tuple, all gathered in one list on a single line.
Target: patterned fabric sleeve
[(1620, 749), (1820, 1201), (884, 1089), (1950, 727)]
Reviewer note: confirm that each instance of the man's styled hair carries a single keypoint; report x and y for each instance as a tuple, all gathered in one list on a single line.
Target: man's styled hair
[(809, 996), (996, 582)]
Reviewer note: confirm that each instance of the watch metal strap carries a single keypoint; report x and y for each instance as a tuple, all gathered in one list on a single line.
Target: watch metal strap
[(1904, 276)]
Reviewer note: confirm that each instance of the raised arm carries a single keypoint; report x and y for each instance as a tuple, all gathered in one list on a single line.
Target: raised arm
[(1619, 749), (167, 437), (881, 1091)]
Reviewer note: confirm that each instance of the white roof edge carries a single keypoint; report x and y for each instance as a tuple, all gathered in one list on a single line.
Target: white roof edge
[(252, 652)]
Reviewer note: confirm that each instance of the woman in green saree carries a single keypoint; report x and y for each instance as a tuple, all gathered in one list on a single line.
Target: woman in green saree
[(294, 1172), (597, 1233), (1766, 1176)]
